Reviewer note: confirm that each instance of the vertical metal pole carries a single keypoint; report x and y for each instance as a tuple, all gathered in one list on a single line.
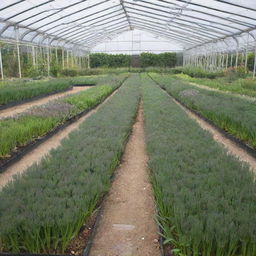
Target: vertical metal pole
[(89, 64), (33, 56), (18, 50), (227, 61), (246, 53), (254, 66), (1, 65), (63, 60), (67, 60), (231, 60), (237, 56), (48, 58), (56, 55), (72, 58)]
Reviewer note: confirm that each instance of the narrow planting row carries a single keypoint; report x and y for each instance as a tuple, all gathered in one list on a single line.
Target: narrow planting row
[(18, 91), (205, 197), (21, 130), (46, 207), (233, 114)]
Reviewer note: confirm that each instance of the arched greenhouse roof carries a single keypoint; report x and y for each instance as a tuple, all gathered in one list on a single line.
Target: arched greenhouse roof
[(85, 23)]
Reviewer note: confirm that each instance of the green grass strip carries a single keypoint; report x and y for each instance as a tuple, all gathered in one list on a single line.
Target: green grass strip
[(46, 207), (233, 114), (206, 198)]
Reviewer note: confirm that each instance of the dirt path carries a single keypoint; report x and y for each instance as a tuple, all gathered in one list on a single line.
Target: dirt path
[(23, 107), (43, 149), (127, 227), (246, 97), (231, 147)]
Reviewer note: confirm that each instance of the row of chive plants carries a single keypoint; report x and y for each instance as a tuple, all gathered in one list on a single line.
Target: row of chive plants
[(21, 90), (234, 114), (20, 130), (46, 207), (205, 197)]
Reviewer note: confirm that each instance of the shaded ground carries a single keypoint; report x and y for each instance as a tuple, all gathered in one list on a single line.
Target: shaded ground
[(127, 226)]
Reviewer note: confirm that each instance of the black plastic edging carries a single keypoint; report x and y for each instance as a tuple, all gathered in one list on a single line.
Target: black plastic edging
[(99, 209), (31, 254), (249, 150), (30, 146), (84, 85), (17, 103)]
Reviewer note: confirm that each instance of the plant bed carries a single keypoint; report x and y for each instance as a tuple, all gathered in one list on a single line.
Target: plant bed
[(17, 103), (242, 144), (205, 196), (22, 92), (59, 194), (233, 114), (81, 104)]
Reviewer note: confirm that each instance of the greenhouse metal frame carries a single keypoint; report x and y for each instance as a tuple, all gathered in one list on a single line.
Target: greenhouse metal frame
[(213, 34)]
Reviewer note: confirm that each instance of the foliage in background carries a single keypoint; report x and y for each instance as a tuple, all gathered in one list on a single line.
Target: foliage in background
[(205, 197), (46, 207), (197, 72), (167, 59), (234, 114), (109, 60)]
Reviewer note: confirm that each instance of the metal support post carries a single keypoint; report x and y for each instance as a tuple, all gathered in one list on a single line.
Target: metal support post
[(18, 50), (1, 65)]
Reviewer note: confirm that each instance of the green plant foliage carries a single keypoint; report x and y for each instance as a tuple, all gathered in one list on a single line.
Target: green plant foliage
[(19, 131), (234, 114), (46, 207), (233, 73), (197, 72), (28, 90), (205, 197), (243, 86), (167, 59), (91, 97), (69, 72), (109, 60)]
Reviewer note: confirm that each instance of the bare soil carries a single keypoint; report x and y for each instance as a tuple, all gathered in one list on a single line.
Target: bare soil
[(231, 147), (43, 149), (127, 226), (78, 244), (23, 107)]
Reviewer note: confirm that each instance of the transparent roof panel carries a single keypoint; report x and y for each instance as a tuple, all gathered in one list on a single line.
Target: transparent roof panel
[(85, 23)]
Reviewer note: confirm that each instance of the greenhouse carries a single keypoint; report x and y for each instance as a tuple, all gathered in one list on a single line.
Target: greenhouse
[(128, 127)]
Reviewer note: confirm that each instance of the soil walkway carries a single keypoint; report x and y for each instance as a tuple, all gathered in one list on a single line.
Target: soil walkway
[(231, 147), (43, 149), (127, 226), (23, 107)]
